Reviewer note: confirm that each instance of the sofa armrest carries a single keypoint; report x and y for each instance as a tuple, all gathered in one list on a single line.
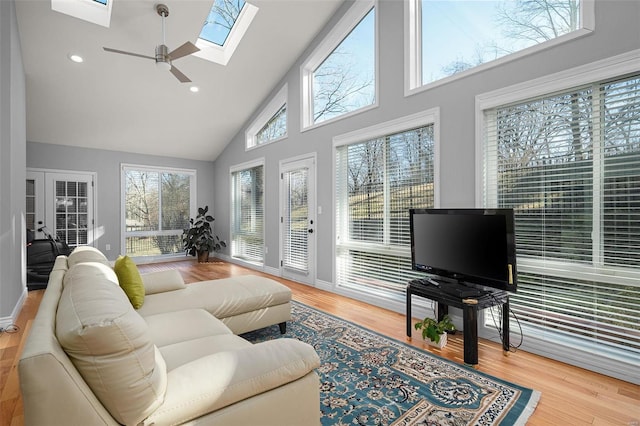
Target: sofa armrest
[(218, 380), (162, 281)]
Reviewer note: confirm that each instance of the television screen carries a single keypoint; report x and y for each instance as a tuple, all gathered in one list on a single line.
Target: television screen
[(474, 246)]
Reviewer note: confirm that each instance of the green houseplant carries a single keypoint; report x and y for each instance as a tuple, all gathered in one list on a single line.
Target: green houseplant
[(198, 238), (435, 330)]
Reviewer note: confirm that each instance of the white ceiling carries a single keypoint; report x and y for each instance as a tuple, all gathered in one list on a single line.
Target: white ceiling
[(124, 103)]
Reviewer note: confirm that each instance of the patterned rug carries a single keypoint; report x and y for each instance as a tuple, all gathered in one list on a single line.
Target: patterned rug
[(369, 379)]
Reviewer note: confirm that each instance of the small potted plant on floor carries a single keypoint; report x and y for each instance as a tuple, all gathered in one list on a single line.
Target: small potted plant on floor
[(198, 239), (435, 331)]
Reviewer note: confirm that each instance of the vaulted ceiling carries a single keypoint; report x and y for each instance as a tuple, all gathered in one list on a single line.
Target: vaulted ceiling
[(125, 103)]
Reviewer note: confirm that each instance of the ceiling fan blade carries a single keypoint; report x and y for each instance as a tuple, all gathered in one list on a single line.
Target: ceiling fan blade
[(108, 49), (186, 49), (176, 72)]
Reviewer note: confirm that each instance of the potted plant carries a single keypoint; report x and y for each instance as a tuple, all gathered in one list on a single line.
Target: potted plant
[(198, 239), (435, 331)]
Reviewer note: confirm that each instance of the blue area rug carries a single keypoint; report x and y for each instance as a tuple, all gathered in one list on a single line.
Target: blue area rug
[(369, 379)]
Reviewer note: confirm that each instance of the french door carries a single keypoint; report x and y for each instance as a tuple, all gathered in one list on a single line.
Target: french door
[(64, 203), (298, 220)]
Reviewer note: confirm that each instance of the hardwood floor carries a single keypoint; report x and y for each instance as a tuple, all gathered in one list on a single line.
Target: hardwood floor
[(570, 395)]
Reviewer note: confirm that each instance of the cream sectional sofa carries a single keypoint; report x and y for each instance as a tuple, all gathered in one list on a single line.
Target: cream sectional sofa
[(92, 359)]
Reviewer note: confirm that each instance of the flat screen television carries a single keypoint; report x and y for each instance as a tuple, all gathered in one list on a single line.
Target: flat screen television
[(470, 246)]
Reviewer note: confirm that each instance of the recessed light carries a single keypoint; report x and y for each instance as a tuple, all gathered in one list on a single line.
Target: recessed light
[(194, 89), (75, 58)]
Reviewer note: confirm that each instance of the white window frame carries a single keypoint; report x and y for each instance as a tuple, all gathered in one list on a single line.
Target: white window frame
[(222, 54), (340, 31), (566, 350), (431, 116), (413, 47), (193, 202), (87, 10), (267, 113), (237, 168)]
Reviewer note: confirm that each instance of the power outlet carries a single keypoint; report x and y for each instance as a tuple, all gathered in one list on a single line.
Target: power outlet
[(107, 247)]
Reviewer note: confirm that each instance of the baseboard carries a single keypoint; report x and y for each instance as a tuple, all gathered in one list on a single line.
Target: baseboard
[(10, 320)]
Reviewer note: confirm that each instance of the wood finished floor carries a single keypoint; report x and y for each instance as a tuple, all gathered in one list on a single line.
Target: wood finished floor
[(570, 395)]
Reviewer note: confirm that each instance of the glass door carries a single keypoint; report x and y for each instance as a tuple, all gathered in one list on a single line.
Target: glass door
[(297, 220)]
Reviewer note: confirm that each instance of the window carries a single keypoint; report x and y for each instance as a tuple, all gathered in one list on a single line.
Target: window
[(271, 123), (224, 27), (478, 33), (569, 164), (247, 212), (340, 75), (377, 180), (96, 11), (157, 207), (222, 17)]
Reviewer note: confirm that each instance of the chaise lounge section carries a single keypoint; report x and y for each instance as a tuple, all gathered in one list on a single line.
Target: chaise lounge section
[(91, 358)]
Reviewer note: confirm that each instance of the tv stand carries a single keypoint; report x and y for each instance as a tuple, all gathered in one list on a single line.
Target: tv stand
[(469, 306)]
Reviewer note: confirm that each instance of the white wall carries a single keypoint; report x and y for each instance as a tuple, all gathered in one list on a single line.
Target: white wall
[(12, 167)]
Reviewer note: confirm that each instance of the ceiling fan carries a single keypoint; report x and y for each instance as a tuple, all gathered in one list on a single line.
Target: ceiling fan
[(163, 57)]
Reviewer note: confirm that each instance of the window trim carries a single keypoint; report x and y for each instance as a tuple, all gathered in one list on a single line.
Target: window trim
[(87, 10), (338, 33), (193, 202), (279, 100), (413, 47), (238, 168)]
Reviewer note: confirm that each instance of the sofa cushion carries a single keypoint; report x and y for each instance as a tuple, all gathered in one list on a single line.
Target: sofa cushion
[(130, 280), (179, 326), (109, 344), (83, 254), (162, 281), (91, 271)]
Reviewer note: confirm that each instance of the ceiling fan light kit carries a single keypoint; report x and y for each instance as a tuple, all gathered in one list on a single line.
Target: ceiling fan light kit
[(163, 56)]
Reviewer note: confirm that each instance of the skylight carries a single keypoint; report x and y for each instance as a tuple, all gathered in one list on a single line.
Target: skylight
[(95, 11), (221, 19), (224, 27)]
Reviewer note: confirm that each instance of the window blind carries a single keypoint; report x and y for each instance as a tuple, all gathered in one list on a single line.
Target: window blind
[(247, 218), (295, 220), (569, 165), (377, 182)]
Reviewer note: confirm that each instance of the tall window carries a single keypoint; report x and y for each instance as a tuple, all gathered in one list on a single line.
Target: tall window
[(478, 33), (569, 164), (247, 213), (377, 181), (340, 75), (157, 207)]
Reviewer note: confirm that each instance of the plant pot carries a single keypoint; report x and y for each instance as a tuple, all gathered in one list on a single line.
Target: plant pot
[(203, 256), (441, 344)]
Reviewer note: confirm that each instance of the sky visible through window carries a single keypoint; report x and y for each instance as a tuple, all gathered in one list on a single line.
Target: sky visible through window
[(345, 81), (460, 34), (222, 16)]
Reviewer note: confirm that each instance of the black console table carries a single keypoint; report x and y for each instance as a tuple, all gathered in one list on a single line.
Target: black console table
[(469, 306)]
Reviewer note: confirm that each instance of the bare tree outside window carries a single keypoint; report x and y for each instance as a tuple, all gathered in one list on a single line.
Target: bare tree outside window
[(345, 81), (460, 35)]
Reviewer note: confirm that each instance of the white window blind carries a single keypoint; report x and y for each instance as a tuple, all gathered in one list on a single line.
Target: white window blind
[(296, 220), (377, 182), (247, 218), (569, 164)]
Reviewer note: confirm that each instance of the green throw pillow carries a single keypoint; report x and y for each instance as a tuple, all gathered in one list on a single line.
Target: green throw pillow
[(130, 280)]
